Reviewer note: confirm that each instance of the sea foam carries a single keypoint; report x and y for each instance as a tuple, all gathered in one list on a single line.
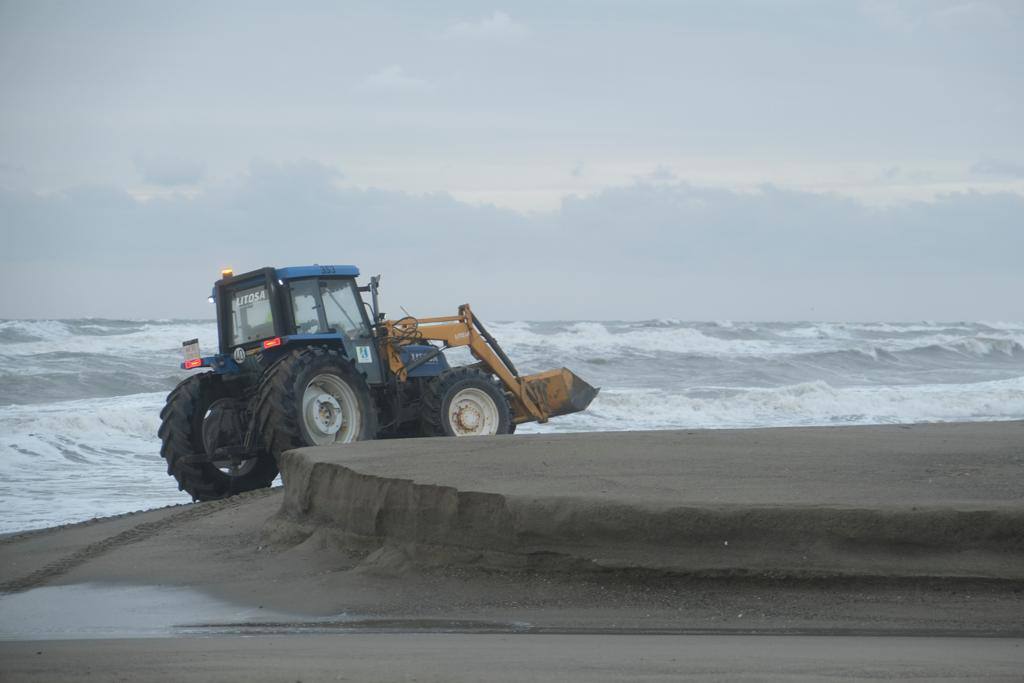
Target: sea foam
[(80, 399)]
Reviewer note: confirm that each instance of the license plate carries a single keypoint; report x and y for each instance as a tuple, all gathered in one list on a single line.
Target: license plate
[(190, 349)]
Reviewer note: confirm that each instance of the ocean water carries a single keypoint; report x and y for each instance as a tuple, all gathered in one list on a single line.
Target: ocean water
[(80, 399)]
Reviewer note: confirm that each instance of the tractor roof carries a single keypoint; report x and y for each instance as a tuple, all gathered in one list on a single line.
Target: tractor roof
[(292, 272)]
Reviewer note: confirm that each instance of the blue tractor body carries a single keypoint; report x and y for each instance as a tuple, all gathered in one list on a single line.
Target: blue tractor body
[(305, 360), (266, 313)]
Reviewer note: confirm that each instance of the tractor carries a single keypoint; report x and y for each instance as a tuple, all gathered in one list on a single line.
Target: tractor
[(306, 360)]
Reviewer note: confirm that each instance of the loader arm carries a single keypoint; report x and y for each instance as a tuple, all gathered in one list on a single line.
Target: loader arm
[(534, 397)]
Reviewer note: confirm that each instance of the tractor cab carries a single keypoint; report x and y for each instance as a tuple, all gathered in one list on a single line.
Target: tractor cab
[(261, 312), (308, 300)]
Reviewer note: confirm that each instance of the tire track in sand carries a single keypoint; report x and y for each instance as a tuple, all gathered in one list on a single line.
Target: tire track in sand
[(139, 532)]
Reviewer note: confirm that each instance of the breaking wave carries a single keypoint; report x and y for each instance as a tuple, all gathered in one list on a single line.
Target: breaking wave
[(717, 340), (79, 459), (80, 399), (807, 404)]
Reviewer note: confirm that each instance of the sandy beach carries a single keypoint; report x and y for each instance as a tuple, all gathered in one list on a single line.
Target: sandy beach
[(526, 548)]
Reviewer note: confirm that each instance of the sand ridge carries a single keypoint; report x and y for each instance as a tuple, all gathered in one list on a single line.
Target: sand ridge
[(923, 501)]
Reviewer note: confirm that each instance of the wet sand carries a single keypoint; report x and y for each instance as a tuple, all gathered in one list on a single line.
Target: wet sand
[(459, 657), (182, 581)]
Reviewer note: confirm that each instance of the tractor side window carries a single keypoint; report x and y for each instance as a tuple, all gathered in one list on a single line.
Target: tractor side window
[(305, 307), (251, 315), (343, 308)]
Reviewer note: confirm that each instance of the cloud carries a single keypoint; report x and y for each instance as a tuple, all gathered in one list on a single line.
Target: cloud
[(660, 174), (168, 170), (890, 174), (694, 252), (969, 14), (499, 26), (394, 79), (774, 231), (887, 15), (994, 167), (946, 15)]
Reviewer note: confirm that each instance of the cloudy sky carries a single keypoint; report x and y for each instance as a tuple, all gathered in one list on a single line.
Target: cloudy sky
[(600, 159)]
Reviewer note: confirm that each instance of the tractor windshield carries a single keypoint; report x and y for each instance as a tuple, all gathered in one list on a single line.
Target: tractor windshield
[(251, 316), (333, 305)]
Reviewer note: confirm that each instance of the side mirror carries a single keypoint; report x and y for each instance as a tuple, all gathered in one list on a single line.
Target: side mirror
[(374, 287)]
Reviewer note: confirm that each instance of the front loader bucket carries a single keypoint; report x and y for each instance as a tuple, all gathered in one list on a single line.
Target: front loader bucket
[(559, 392)]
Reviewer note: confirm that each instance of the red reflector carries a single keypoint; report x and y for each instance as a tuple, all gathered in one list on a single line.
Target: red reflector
[(271, 343), (194, 363)]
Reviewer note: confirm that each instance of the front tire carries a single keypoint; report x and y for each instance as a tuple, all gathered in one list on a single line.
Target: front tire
[(465, 402), (195, 421), (313, 397)]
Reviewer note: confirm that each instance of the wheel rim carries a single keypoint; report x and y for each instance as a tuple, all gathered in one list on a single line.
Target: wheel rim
[(236, 468), (473, 412), (330, 411), (230, 467)]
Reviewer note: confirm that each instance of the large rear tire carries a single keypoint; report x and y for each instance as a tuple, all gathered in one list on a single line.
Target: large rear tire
[(199, 416), (313, 397), (465, 401)]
